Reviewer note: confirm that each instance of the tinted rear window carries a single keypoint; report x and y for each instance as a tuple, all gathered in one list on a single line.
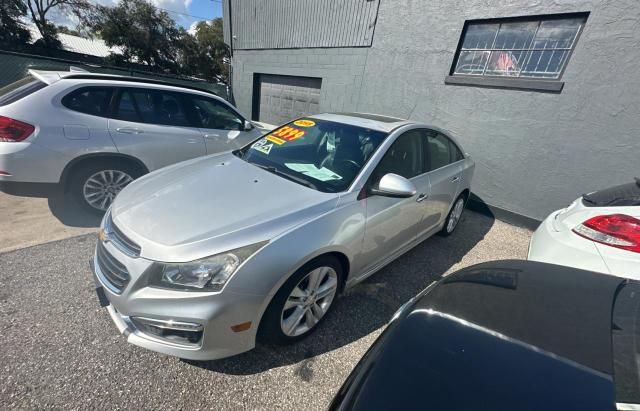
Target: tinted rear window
[(19, 89), (89, 100), (624, 195)]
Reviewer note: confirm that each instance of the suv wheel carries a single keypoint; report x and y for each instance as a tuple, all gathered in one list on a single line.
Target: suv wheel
[(302, 302), (95, 186)]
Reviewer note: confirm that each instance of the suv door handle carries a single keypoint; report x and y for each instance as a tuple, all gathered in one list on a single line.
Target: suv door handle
[(455, 179), (129, 130), (210, 135), (421, 197)]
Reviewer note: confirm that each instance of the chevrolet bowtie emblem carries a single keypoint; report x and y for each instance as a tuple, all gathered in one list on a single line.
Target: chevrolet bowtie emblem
[(103, 236)]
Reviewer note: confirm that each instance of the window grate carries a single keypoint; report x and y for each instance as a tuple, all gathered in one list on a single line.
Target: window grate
[(534, 48)]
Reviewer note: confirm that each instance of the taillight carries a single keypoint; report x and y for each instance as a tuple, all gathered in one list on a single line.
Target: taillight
[(615, 230), (13, 130)]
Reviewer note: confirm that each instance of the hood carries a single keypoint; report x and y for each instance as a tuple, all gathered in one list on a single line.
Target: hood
[(212, 204)]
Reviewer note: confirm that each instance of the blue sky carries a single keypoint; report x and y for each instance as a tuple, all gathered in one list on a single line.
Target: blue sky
[(196, 9), (184, 12)]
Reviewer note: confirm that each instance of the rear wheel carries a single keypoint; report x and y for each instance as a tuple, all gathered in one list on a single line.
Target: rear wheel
[(95, 186), (454, 216), (302, 302)]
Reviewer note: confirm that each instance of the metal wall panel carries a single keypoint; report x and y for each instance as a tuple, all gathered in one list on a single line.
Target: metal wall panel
[(282, 24)]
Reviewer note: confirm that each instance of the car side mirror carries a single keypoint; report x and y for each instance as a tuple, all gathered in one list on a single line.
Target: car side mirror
[(248, 126), (393, 185)]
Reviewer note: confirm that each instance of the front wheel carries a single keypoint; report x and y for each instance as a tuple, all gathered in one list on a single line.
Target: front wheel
[(454, 216), (302, 302)]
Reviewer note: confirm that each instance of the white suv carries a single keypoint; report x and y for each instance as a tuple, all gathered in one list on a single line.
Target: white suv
[(95, 133)]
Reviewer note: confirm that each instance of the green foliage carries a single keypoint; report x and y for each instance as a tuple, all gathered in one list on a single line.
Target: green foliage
[(145, 34), (12, 32), (39, 10), (149, 36), (212, 49)]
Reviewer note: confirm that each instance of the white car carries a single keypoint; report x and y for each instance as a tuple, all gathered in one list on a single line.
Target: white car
[(598, 232), (95, 133)]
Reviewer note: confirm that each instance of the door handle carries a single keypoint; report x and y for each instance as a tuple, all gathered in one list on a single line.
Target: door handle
[(455, 179), (129, 130), (421, 197), (211, 135)]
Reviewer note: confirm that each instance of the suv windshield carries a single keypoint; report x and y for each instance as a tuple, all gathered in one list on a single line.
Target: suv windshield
[(324, 155)]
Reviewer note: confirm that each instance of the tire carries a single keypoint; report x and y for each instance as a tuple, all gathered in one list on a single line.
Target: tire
[(84, 186), (276, 317), (454, 217)]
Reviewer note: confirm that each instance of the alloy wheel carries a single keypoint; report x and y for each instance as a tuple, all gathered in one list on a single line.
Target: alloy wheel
[(102, 187), (309, 301), (456, 213)]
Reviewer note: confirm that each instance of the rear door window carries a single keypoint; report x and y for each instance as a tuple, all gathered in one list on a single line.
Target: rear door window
[(438, 151), (126, 109), (89, 100), (160, 107), (20, 89)]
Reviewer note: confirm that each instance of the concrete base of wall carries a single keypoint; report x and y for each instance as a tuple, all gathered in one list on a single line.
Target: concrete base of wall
[(476, 204)]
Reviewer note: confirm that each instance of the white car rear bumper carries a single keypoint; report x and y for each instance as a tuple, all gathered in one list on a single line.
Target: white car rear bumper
[(564, 248)]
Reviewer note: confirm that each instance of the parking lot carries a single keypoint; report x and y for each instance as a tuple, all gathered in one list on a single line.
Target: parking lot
[(61, 350)]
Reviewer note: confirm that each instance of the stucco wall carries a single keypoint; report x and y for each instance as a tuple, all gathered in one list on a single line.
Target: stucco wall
[(535, 152)]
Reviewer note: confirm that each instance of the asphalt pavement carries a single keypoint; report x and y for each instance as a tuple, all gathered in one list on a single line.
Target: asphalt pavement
[(59, 349)]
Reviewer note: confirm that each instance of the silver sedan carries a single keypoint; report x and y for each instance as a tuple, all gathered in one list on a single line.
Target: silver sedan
[(203, 258)]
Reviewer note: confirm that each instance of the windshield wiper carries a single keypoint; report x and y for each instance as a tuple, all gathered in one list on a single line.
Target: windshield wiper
[(295, 179)]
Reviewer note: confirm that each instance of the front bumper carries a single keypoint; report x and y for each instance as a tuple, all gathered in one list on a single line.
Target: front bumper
[(217, 313), (563, 247)]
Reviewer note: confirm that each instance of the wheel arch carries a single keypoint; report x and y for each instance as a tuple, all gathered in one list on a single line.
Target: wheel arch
[(79, 161), (343, 260)]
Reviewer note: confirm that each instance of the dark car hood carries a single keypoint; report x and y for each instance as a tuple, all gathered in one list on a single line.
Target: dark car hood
[(500, 336)]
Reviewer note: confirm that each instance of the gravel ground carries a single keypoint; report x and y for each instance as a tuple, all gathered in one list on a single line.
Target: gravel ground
[(60, 350)]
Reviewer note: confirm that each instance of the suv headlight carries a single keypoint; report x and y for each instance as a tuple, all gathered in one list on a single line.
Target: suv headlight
[(207, 274)]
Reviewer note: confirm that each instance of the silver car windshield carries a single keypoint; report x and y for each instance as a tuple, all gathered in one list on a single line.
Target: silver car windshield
[(323, 155)]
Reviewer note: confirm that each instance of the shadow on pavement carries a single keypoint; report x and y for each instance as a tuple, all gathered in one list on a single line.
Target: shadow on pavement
[(367, 306), (63, 207)]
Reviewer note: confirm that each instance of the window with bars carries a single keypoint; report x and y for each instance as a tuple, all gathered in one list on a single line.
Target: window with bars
[(527, 48)]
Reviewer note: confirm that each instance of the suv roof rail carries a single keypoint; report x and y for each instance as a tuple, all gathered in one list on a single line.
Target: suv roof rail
[(130, 79)]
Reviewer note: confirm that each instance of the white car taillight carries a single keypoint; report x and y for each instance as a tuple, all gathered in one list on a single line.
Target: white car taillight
[(615, 230), (13, 130)]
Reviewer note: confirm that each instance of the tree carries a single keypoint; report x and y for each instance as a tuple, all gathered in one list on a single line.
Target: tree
[(39, 10), (13, 33), (144, 34), (212, 49), (67, 30)]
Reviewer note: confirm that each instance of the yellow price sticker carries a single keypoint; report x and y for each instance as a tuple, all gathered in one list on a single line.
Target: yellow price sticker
[(304, 123), (275, 139)]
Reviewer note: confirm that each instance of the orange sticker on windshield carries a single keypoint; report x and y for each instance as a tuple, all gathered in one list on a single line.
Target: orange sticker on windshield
[(288, 133), (276, 140), (304, 123)]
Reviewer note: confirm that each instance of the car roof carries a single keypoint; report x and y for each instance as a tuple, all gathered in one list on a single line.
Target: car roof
[(50, 77), (367, 120)]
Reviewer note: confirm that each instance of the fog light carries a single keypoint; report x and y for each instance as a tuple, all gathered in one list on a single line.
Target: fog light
[(176, 332)]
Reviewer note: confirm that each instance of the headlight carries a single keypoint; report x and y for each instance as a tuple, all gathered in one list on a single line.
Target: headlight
[(208, 274)]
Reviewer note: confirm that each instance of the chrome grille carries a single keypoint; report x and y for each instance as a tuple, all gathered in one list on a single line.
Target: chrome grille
[(111, 269), (119, 240)]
